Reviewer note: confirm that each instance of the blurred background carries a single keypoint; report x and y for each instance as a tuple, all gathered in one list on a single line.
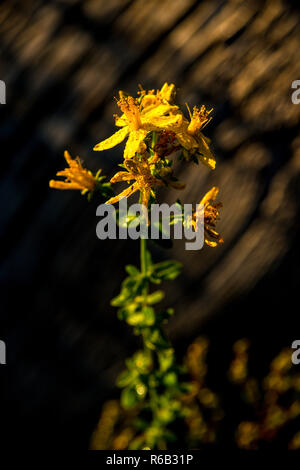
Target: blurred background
[(63, 62)]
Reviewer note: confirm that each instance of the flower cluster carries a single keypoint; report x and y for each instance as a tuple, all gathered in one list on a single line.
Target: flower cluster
[(155, 128)]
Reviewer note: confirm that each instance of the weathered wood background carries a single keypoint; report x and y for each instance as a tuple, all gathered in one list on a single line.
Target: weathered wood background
[(62, 62)]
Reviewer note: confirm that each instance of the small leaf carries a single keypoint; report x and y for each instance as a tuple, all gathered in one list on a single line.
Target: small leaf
[(132, 270), (166, 270), (129, 398), (166, 359), (155, 297), (149, 316), (170, 379)]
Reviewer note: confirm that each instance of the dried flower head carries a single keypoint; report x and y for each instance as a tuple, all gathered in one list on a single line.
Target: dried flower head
[(142, 170)]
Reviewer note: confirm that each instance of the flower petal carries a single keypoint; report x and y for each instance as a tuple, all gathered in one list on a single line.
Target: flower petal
[(114, 140), (210, 243), (126, 193), (160, 110), (186, 140), (63, 185), (121, 176)]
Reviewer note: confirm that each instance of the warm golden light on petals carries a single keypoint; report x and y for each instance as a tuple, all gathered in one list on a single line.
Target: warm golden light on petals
[(137, 121), (199, 119), (141, 170), (76, 177), (163, 96)]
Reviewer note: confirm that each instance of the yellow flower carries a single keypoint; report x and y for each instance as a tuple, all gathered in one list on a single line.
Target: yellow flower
[(211, 215), (76, 177), (199, 119), (141, 170), (191, 138), (165, 95), (136, 121)]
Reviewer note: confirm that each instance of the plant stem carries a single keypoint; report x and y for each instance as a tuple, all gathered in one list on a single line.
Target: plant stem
[(143, 246)]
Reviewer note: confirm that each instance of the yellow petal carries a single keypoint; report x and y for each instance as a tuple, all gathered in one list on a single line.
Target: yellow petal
[(121, 121), (114, 140), (186, 140), (210, 243), (126, 193), (145, 197), (160, 110), (169, 123), (206, 156), (62, 185), (135, 143), (68, 158), (121, 176)]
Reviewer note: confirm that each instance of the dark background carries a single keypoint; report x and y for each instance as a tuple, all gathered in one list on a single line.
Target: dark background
[(63, 62)]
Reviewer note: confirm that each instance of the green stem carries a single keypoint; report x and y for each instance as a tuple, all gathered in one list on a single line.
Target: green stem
[(143, 247)]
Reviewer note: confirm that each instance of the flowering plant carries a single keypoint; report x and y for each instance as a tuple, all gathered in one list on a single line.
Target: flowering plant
[(156, 129)]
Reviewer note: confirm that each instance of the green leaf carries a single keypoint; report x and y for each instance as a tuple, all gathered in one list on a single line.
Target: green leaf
[(166, 270), (166, 359), (132, 270), (129, 289), (155, 297), (155, 339), (143, 317)]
